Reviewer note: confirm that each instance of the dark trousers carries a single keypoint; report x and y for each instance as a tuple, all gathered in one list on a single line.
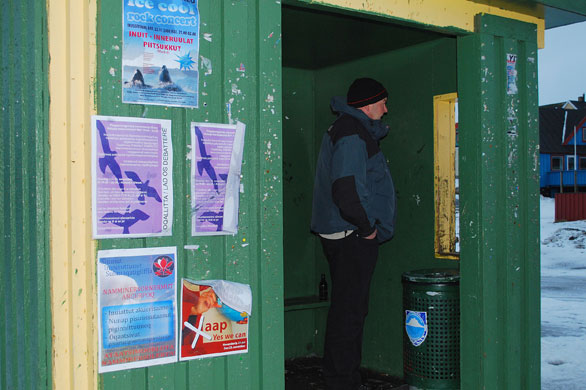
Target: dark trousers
[(352, 261)]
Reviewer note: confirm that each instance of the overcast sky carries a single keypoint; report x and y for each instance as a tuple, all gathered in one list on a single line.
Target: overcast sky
[(562, 64)]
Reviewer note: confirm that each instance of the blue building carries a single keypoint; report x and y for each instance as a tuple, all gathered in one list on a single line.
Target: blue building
[(562, 138)]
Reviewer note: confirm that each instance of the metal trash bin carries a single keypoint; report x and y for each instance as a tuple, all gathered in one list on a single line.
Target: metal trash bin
[(431, 341)]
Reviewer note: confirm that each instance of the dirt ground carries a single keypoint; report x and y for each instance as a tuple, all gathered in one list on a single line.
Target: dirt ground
[(306, 374)]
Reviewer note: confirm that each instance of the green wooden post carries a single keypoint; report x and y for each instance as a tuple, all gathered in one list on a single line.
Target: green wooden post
[(25, 320), (499, 176)]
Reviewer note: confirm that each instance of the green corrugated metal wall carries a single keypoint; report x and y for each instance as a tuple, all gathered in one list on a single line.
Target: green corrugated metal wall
[(499, 192), (243, 33), (25, 322)]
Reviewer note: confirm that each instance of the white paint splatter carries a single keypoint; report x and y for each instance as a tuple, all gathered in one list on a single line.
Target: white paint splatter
[(188, 156), (191, 247), (206, 64), (417, 199), (207, 36), (270, 99), (112, 72)]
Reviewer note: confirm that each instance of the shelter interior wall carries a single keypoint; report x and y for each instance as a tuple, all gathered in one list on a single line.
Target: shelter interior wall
[(412, 75)]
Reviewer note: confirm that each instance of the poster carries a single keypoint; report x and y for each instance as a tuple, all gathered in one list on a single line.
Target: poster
[(215, 177), (214, 319), (137, 315), (512, 74), (160, 52), (132, 185)]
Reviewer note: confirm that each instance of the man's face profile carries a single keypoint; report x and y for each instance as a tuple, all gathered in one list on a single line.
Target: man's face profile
[(375, 111)]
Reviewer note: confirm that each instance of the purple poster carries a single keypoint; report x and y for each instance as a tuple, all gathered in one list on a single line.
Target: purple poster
[(132, 186), (215, 177)]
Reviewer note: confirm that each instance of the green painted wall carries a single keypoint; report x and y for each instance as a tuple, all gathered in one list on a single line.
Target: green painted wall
[(303, 263), (413, 74), (499, 193), (25, 320), (239, 35)]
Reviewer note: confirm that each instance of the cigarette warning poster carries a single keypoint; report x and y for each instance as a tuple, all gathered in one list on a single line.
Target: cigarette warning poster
[(137, 318), (214, 319), (132, 185), (160, 52), (215, 177)]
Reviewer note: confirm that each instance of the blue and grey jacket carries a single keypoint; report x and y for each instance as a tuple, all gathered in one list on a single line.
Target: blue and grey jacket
[(353, 187)]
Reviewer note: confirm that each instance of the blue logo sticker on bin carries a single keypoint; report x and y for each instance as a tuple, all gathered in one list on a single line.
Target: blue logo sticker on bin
[(416, 326)]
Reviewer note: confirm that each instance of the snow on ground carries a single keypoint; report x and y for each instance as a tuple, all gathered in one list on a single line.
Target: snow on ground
[(563, 299)]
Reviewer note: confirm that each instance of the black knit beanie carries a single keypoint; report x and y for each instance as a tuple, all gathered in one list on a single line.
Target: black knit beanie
[(365, 91)]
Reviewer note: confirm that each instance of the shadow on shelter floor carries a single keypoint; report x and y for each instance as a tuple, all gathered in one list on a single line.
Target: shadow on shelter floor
[(306, 374)]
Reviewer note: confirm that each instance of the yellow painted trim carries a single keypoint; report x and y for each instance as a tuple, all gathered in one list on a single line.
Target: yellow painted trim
[(444, 129), (72, 69), (439, 13)]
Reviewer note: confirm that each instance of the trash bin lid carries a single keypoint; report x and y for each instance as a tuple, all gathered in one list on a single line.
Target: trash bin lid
[(434, 275)]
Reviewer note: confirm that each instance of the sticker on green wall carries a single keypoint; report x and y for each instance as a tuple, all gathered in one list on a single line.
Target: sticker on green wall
[(512, 74), (160, 52)]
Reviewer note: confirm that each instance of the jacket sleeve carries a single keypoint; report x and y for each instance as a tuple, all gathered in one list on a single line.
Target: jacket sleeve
[(349, 188)]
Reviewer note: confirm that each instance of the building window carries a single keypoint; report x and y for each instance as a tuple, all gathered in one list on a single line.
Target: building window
[(584, 134), (582, 163), (556, 163), (571, 163), (446, 227)]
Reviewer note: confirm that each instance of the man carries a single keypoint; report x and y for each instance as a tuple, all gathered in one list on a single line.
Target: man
[(353, 212)]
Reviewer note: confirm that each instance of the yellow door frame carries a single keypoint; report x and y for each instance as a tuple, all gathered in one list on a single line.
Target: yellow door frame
[(72, 69)]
